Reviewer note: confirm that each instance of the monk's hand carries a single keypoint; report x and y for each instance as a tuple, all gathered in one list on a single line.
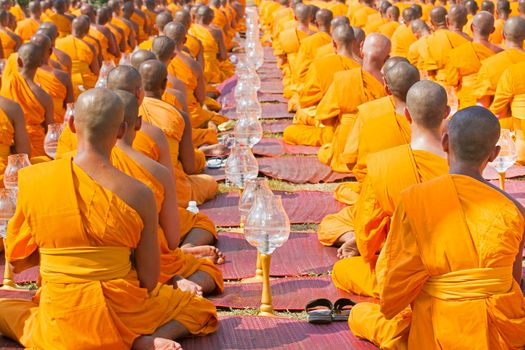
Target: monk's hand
[(187, 285)]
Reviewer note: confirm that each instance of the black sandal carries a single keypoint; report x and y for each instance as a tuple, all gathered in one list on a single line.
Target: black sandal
[(342, 308), (319, 311)]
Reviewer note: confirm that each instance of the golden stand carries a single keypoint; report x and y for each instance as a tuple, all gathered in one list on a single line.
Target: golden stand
[(258, 272), (266, 308), (8, 282), (502, 180)]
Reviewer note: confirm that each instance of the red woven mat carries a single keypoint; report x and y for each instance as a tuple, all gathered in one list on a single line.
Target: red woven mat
[(274, 86), (217, 174), (266, 97), (289, 293), (301, 207), (26, 276), (7, 344), (271, 147), (275, 126), (289, 260), (269, 111), (299, 170), (514, 171), (251, 332)]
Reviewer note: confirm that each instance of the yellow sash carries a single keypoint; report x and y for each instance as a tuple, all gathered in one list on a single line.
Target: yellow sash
[(81, 264), (470, 284)]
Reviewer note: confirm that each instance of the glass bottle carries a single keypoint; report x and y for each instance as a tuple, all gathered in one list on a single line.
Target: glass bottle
[(15, 162), (7, 209), (253, 188), (102, 81), (51, 140), (70, 110), (507, 156), (248, 130), (249, 104), (125, 59), (240, 166)]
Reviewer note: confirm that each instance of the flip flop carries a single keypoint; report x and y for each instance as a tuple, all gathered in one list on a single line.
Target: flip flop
[(342, 308), (319, 311)]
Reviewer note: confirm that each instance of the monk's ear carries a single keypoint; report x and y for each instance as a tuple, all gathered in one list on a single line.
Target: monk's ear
[(387, 89), (445, 142), (71, 124), (494, 153), (164, 84), (122, 130), (334, 45), (493, 30), (138, 123), (19, 62), (407, 115), (447, 112)]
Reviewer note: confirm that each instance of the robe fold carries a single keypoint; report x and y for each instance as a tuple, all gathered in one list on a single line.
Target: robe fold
[(7, 138), (8, 44), (26, 28), (402, 38), (54, 87), (62, 22)]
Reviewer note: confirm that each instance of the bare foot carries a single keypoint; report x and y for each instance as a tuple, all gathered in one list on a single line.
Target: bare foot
[(215, 150), (206, 251), (347, 249), (147, 342), (213, 126), (187, 286)]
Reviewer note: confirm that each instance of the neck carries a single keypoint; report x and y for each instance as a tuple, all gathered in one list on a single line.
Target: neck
[(373, 67), (35, 17), (324, 29), (438, 27), (426, 140), (513, 45), (28, 74), (92, 154), (153, 94), (127, 141), (456, 29), (302, 26), (503, 16), (478, 38), (399, 105), (467, 170)]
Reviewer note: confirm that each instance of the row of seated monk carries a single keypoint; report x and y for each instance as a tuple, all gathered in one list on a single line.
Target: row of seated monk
[(370, 84), (151, 261)]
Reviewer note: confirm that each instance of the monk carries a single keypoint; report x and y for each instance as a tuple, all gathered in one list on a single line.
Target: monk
[(421, 31), (503, 13), (85, 67), (106, 39), (360, 17), (161, 20), (60, 19), (55, 82), (403, 36), (433, 51), (27, 27), (148, 7), (391, 171), (192, 44), (492, 67), (104, 17), (375, 20), (14, 138), (10, 41), (472, 8), (221, 21), (14, 9), (124, 24), (58, 59), (217, 66), (37, 105), (183, 271), (465, 60), (457, 19), (141, 21), (317, 82), (392, 16), (177, 128), (337, 109), (469, 276), (158, 313)]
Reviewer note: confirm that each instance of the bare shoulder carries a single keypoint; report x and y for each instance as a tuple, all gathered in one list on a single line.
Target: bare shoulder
[(64, 77), (42, 96), (159, 171), (12, 109), (154, 132), (136, 194)]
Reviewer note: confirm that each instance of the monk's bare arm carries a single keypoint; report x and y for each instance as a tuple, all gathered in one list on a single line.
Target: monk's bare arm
[(187, 152), (16, 116), (112, 42), (222, 55), (200, 55), (65, 78), (162, 143), (200, 90), (169, 214)]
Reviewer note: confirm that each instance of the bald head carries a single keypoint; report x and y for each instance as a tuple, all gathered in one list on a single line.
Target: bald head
[(302, 13), (30, 56), (472, 7), (376, 48), (419, 27), (392, 61), (59, 6), (409, 14), (323, 18), (473, 133), (176, 32), (99, 114), (139, 56), (514, 30), (340, 20), (204, 14), (313, 12), (42, 41), (154, 75), (427, 104), (131, 107), (488, 6), (392, 13), (521, 7), (128, 8), (103, 15), (87, 10), (80, 26), (383, 7), (162, 19), (400, 78), (34, 8), (124, 78), (418, 10), (359, 35), (49, 29), (343, 36), (503, 8), (457, 16), (4, 18), (483, 24), (438, 16), (163, 47), (183, 17)]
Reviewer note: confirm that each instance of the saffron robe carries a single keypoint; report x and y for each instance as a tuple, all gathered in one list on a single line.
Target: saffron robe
[(401, 39), (26, 28), (7, 138), (8, 44), (81, 58), (54, 87), (62, 22)]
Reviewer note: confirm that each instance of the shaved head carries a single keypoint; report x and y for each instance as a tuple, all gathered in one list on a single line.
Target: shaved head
[(50, 29), (128, 9), (400, 78), (140, 56), (81, 26), (204, 14), (313, 12), (409, 14), (418, 10), (131, 107), (488, 6), (359, 35), (376, 47), (343, 36), (419, 27), (472, 7), (302, 13), (340, 20), (30, 55), (124, 78), (163, 47), (483, 24), (103, 15), (427, 104), (323, 18), (514, 29), (99, 114), (457, 16), (503, 8), (162, 19), (184, 18), (34, 8), (383, 7), (154, 75), (41, 40), (392, 61), (438, 16), (393, 13), (473, 133), (176, 32), (521, 7)]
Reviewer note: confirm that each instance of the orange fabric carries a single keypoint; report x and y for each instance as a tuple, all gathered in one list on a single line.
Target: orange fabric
[(54, 87), (8, 44), (81, 58), (72, 308), (306, 55), (7, 138), (388, 28), (140, 22), (497, 36), (26, 28), (62, 22), (193, 45), (102, 41), (402, 38), (125, 28), (17, 12)]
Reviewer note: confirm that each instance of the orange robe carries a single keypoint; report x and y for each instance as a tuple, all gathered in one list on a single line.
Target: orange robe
[(172, 262), (193, 45), (102, 41), (325, 50), (81, 57), (54, 87), (7, 138), (62, 22), (199, 188), (402, 38), (360, 17), (458, 278), (26, 28), (117, 22), (338, 110), (388, 28), (15, 87), (390, 172), (462, 69), (85, 239), (497, 36), (17, 12), (8, 44), (140, 22), (306, 55)]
